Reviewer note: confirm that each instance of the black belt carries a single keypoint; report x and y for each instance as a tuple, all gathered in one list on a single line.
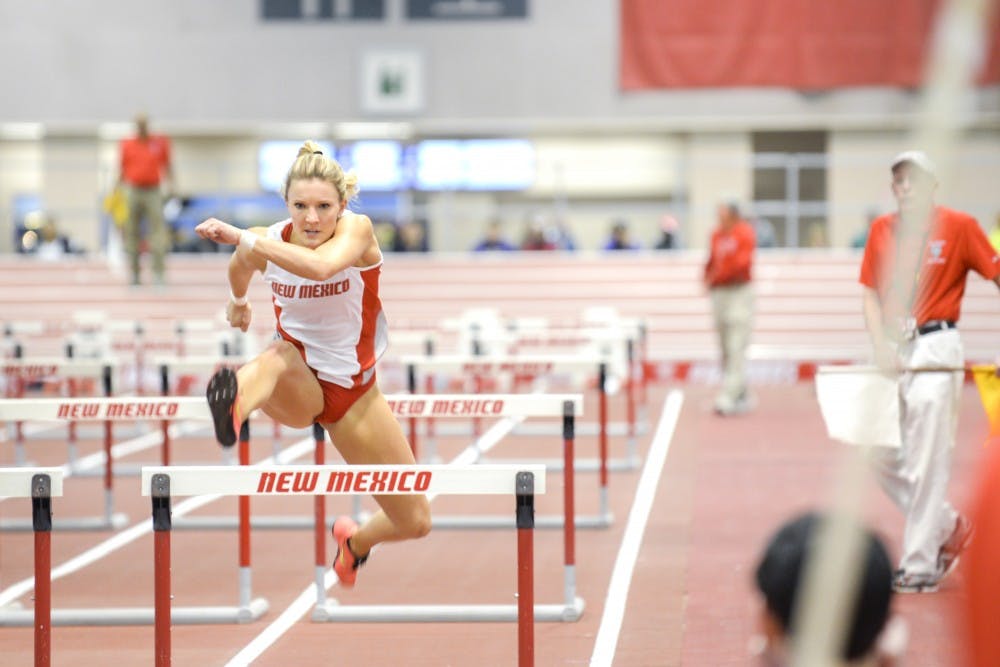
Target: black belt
[(931, 326)]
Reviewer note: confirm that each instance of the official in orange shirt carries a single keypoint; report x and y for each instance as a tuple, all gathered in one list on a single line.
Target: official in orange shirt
[(727, 277), (144, 171), (913, 272)]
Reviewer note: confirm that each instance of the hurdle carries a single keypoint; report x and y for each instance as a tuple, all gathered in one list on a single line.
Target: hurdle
[(456, 405), (133, 408), (18, 370), (41, 485), (447, 406), (524, 482), (535, 365), (623, 344)]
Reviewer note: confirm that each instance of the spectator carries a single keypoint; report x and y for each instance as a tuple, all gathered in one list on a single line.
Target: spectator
[(669, 232), (861, 238), (494, 239), (534, 237), (779, 579), (411, 237), (728, 279), (385, 232), (560, 235), (619, 237), (145, 168), (763, 230), (51, 244)]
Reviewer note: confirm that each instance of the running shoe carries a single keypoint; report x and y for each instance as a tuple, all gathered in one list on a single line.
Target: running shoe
[(903, 582), (345, 563), (221, 396), (953, 547)]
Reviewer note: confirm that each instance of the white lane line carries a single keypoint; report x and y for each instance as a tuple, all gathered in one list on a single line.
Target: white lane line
[(307, 598), (621, 576), (134, 532)]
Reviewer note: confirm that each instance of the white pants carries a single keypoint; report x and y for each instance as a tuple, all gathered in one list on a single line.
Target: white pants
[(732, 310), (916, 475)]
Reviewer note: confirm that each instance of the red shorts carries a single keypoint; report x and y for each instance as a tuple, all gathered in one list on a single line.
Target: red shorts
[(337, 400)]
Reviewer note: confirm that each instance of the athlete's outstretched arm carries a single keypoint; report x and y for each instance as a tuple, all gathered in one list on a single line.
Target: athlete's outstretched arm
[(354, 236), (344, 249)]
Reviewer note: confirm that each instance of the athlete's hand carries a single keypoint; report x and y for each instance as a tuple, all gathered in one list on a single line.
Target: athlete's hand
[(216, 230), (239, 316)]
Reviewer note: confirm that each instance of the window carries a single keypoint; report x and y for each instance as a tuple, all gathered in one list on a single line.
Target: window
[(275, 158), (790, 186)]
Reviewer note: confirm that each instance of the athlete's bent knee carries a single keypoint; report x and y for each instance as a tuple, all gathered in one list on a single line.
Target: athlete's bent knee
[(418, 521)]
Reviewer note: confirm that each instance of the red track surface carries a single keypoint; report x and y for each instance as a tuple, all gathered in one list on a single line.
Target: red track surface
[(726, 484)]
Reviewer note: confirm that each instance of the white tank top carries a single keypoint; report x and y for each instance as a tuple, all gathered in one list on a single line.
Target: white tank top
[(337, 323)]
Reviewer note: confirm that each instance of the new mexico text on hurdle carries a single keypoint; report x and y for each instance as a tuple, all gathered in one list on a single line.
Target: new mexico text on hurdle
[(161, 483)]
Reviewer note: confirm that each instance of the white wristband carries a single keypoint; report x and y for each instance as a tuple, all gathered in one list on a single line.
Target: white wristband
[(248, 239), (237, 300)]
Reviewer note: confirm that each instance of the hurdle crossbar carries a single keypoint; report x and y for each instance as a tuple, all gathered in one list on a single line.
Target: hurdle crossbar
[(147, 408), (161, 483), (39, 484)]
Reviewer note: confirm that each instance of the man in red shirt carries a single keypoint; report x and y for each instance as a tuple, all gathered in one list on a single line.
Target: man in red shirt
[(145, 168), (913, 272), (727, 277)]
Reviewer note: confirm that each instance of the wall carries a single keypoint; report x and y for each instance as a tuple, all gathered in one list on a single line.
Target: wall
[(217, 65), (218, 79)]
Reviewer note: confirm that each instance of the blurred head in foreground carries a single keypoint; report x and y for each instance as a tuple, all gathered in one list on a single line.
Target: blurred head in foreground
[(779, 580)]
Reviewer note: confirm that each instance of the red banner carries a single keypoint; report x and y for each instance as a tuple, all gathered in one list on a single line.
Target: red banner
[(802, 44)]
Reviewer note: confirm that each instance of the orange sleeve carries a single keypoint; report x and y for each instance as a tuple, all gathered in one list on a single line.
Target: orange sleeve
[(980, 255)]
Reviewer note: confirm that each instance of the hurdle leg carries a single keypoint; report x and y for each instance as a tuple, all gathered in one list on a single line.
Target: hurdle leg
[(20, 456), (109, 475), (320, 523), (160, 493), (71, 435), (244, 511), (411, 383), (602, 377), (643, 358), (633, 455), (165, 425), (525, 499), (569, 507), (109, 502), (429, 444), (41, 513)]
